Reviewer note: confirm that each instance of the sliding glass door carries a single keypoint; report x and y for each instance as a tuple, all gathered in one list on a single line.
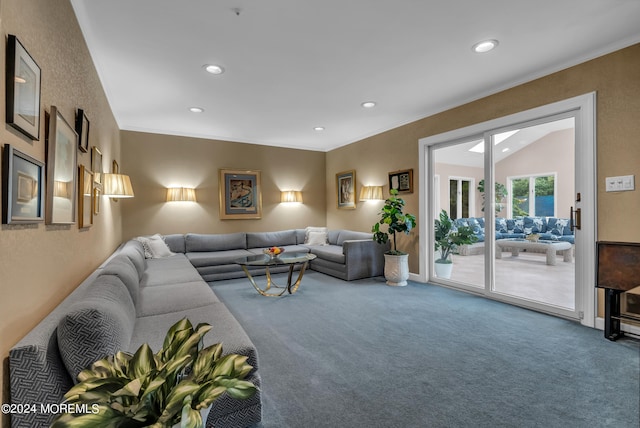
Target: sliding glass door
[(528, 172)]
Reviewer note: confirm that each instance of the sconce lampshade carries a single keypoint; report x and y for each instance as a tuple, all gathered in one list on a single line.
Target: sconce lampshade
[(291, 196), (117, 186), (185, 194), (371, 193)]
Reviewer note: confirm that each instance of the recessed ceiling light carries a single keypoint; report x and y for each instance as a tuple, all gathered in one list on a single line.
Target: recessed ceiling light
[(319, 128), (213, 69), (484, 46), (368, 104), (196, 109)]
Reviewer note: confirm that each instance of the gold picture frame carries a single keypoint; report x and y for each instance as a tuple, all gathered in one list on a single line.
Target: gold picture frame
[(240, 194), (346, 189), (85, 197)]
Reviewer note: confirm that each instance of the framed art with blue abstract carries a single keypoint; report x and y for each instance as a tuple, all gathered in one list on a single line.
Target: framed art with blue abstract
[(240, 194)]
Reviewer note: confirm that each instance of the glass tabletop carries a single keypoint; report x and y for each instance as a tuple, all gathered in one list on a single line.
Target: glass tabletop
[(281, 259)]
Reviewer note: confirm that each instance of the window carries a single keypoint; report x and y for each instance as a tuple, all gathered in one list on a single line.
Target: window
[(533, 195)]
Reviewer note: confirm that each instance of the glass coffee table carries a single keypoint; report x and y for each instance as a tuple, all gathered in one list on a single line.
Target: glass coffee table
[(283, 259)]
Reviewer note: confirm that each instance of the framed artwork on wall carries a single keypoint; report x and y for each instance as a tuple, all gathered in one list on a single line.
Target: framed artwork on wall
[(346, 189), (96, 164), (22, 188), (402, 181), (61, 170), (23, 90), (85, 197), (240, 194), (82, 128)]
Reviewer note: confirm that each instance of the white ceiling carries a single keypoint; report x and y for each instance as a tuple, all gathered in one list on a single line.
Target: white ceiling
[(292, 65)]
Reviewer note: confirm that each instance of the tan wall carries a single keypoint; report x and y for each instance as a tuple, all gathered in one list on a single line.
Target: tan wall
[(615, 79), (40, 265), (155, 162)]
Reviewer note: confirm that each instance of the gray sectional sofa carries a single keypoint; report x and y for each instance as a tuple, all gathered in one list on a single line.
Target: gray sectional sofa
[(131, 299)]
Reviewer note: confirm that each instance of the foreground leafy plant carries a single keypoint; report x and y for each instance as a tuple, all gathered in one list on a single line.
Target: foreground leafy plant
[(158, 390)]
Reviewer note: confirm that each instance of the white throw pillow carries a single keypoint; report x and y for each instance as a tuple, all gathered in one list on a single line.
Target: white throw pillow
[(317, 238), (317, 234), (154, 246)]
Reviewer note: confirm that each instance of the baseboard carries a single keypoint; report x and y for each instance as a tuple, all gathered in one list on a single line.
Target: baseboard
[(627, 328)]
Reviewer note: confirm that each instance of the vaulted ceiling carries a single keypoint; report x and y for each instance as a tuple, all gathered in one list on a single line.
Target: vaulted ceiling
[(291, 66)]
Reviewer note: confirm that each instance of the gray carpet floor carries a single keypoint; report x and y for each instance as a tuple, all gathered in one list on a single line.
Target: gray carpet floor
[(362, 354)]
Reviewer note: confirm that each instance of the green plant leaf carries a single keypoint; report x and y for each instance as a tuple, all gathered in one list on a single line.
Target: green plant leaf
[(105, 417), (142, 362), (191, 418)]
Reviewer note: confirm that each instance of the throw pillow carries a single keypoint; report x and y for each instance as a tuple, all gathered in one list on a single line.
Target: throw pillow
[(322, 230), (154, 246), (317, 238)]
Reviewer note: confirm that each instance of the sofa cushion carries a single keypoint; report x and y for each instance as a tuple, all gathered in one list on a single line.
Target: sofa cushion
[(135, 252), (97, 326), (329, 252), (534, 225), (347, 235), (170, 270), (226, 330), (332, 237), (162, 299), (559, 226), (501, 225), (269, 239), (215, 242), (216, 257), (175, 242), (122, 267)]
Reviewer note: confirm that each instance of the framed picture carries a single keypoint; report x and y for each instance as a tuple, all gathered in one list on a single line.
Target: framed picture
[(22, 188), (82, 128), (23, 90), (346, 189), (96, 164), (85, 197), (240, 194), (61, 170), (115, 168), (402, 181)]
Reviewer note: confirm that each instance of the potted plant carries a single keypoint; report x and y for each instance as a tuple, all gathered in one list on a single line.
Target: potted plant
[(500, 193), (447, 239), (173, 387), (396, 263)]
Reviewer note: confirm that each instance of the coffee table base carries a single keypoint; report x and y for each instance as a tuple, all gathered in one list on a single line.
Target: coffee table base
[(291, 288)]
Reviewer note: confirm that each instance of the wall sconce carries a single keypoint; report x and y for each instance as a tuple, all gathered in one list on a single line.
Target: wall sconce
[(291, 196), (177, 194), (371, 193), (116, 186)]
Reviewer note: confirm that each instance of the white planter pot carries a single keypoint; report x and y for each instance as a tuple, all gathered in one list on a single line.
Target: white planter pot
[(396, 269), (443, 270)]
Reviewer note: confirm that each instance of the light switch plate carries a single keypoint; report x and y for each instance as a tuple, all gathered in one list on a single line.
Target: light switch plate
[(620, 184)]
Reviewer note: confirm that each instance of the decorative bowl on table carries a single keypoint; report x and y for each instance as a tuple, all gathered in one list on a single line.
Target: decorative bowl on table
[(273, 252)]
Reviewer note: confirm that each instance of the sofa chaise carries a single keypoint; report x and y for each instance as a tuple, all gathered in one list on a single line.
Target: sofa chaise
[(136, 295)]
